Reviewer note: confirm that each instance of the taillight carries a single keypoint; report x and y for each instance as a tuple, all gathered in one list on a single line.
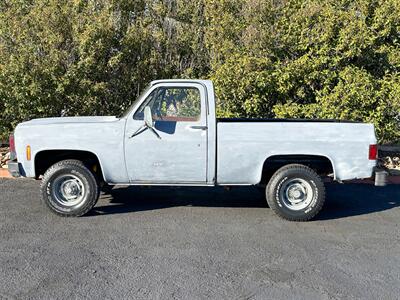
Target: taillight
[(13, 153), (373, 152)]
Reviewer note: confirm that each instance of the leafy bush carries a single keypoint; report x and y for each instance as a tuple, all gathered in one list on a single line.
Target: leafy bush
[(288, 58)]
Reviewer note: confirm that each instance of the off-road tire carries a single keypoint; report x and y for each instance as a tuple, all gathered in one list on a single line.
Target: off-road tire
[(276, 183), (88, 180)]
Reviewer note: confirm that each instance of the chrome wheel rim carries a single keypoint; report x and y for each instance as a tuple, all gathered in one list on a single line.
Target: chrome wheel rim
[(296, 194), (68, 190)]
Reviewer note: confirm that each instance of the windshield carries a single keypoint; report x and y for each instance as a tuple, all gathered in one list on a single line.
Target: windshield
[(128, 110)]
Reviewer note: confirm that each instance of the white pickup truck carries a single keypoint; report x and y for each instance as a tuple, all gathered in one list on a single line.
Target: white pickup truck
[(170, 136)]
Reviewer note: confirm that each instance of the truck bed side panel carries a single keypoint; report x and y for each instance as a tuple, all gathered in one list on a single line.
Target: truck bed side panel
[(243, 147)]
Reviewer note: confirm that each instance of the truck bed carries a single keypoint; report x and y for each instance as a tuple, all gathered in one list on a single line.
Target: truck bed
[(271, 120), (243, 145)]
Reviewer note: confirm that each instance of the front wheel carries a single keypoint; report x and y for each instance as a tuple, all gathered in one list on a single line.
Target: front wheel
[(69, 189), (296, 193)]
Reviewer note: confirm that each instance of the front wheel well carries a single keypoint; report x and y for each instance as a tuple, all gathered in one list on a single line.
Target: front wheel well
[(322, 165), (45, 159)]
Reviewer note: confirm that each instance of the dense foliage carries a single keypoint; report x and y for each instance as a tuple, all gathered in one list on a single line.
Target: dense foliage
[(282, 58)]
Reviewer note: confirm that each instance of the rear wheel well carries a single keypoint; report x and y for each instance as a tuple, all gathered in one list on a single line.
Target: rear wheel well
[(45, 159), (320, 164)]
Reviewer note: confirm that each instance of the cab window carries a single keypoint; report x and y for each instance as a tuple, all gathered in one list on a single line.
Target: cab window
[(180, 104)]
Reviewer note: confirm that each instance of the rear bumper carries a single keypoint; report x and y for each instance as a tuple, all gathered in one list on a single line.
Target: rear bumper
[(15, 168), (381, 177)]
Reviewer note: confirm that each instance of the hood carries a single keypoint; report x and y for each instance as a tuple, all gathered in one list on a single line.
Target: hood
[(64, 120)]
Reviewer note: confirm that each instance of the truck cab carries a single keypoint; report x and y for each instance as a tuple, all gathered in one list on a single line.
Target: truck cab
[(181, 146)]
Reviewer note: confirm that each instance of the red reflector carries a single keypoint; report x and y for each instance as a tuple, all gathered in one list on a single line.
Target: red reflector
[(12, 147), (12, 143), (373, 152)]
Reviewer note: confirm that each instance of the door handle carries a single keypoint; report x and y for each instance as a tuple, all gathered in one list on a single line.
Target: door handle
[(202, 127)]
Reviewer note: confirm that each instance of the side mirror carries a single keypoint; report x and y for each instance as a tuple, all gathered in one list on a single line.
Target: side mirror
[(148, 124), (148, 119)]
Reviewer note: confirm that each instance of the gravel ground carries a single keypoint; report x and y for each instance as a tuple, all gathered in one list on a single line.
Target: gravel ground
[(197, 243)]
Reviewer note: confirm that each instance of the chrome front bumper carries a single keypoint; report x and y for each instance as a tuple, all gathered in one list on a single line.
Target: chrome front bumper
[(15, 168)]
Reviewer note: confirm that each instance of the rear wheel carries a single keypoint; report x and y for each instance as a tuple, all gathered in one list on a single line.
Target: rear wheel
[(295, 193), (69, 188)]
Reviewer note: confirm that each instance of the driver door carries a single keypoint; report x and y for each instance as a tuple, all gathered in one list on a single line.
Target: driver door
[(176, 150)]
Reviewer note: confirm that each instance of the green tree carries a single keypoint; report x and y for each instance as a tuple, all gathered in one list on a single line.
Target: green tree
[(91, 57), (286, 58)]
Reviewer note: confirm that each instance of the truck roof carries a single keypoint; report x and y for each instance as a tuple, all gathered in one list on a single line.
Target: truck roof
[(202, 81)]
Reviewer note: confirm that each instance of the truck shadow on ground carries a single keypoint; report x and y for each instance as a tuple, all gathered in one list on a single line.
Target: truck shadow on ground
[(343, 200)]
